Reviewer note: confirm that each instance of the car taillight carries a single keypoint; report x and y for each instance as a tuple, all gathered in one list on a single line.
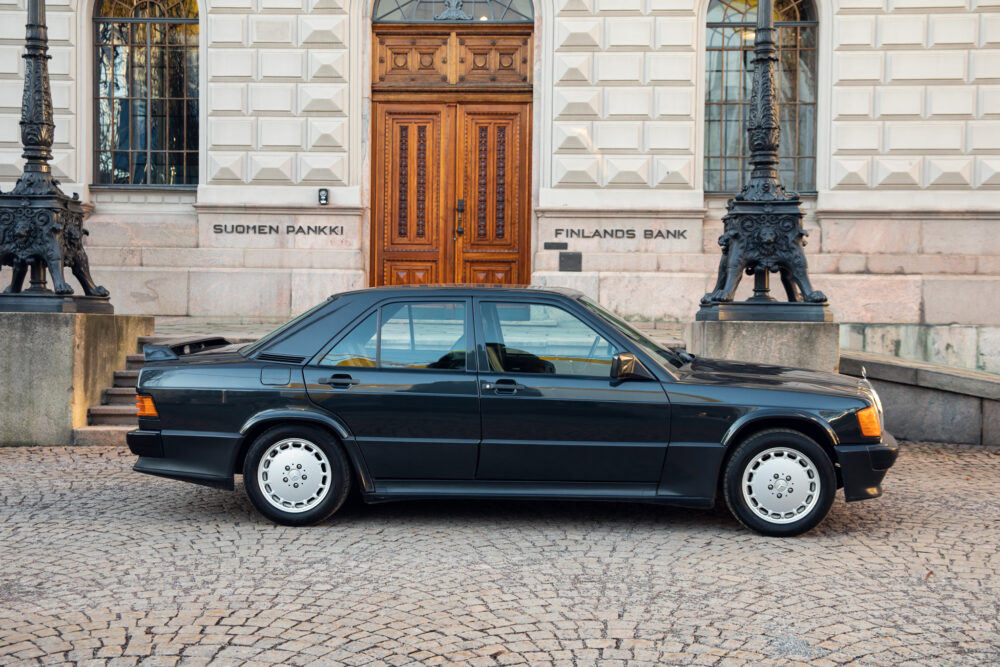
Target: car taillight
[(869, 422), (144, 406)]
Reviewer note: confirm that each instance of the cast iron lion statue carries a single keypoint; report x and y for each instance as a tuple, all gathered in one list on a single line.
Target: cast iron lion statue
[(29, 235)]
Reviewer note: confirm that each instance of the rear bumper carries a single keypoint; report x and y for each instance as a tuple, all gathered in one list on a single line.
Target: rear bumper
[(145, 443), (863, 467), (188, 456)]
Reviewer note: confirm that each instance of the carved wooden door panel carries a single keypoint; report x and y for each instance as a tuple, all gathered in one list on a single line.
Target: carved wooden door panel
[(429, 157), (492, 178), (412, 178)]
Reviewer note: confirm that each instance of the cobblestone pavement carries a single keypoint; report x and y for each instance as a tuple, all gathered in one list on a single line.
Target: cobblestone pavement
[(98, 563)]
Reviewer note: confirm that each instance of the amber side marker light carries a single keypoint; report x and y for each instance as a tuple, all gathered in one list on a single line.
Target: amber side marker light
[(869, 423), (144, 406)]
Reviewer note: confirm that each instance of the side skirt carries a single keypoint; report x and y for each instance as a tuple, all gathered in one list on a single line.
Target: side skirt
[(393, 490)]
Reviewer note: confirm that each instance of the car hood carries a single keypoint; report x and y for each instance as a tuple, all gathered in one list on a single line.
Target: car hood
[(763, 376)]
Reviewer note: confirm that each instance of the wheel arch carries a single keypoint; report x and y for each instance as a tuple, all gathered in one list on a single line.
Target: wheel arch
[(808, 424), (334, 427)]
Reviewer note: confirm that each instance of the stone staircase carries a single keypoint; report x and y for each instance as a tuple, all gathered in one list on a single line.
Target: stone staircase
[(108, 422)]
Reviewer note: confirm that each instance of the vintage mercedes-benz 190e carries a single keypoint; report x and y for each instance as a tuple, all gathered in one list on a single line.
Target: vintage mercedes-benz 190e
[(498, 392)]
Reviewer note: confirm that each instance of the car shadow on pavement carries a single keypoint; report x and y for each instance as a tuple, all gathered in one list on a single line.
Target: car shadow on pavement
[(213, 505), (219, 506)]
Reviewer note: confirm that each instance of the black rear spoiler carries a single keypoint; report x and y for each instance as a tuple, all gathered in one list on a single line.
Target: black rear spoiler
[(179, 347)]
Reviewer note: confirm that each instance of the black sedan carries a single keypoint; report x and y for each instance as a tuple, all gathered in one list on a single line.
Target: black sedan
[(496, 392)]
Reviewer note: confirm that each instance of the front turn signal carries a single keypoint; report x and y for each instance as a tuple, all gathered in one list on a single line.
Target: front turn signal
[(869, 422), (144, 406)]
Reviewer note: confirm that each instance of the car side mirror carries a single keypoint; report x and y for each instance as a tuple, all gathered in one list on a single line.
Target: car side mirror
[(626, 366)]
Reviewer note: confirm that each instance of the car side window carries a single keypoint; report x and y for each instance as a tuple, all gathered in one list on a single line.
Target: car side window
[(428, 335), (358, 348), (538, 338)]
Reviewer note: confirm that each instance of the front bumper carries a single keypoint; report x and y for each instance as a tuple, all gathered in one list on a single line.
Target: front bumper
[(863, 467)]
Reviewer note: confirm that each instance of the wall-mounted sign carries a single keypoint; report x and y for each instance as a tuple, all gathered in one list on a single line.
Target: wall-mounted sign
[(618, 233), (621, 234), (289, 230)]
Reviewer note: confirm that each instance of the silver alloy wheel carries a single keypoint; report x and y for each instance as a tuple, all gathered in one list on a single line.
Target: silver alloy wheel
[(294, 475), (781, 485)]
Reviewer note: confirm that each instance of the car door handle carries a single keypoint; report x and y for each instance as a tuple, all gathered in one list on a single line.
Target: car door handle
[(503, 386), (339, 381)]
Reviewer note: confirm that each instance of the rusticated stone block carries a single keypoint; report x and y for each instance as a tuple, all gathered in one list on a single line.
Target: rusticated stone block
[(865, 236), (812, 345), (991, 422), (586, 282), (951, 346), (653, 296), (178, 232), (988, 350), (145, 291), (66, 359), (961, 300), (894, 340), (868, 298), (968, 237), (240, 293), (311, 286), (928, 415)]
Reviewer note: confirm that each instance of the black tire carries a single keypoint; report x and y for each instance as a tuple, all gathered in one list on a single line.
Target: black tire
[(813, 508), (338, 484)]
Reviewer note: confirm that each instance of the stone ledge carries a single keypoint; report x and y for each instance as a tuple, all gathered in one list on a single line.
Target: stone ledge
[(921, 374)]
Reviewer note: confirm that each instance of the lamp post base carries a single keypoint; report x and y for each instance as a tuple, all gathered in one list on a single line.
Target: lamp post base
[(764, 311), (26, 302), (811, 345)]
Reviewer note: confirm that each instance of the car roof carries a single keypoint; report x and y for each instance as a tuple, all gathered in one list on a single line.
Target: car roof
[(465, 290)]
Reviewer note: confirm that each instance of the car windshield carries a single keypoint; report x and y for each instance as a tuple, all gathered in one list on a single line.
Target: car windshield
[(658, 352), (253, 347)]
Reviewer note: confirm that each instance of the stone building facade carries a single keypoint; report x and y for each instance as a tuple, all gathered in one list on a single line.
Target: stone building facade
[(903, 196)]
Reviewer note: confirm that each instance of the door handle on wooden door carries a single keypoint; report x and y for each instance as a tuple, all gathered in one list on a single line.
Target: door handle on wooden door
[(459, 230)]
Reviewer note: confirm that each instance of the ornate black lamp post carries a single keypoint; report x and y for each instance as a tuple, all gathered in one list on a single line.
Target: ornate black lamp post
[(41, 227), (763, 224)]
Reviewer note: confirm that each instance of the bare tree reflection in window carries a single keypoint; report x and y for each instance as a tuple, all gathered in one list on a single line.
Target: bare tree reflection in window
[(728, 75), (146, 92)]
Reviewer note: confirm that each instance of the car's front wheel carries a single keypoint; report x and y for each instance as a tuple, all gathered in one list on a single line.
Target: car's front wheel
[(296, 475), (780, 483)]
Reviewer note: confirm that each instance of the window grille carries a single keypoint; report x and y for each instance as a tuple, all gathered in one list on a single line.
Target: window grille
[(146, 92), (728, 77)]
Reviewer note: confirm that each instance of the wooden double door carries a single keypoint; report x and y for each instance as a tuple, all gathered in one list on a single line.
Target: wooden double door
[(451, 191)]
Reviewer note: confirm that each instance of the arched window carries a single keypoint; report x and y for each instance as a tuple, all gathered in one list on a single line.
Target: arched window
[(728, 77), (427, 11), (146, 92)]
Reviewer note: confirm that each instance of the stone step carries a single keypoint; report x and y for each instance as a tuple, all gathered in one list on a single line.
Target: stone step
[(118, 396), (134, 362), (112, 415), (101, 436), (126, 378)]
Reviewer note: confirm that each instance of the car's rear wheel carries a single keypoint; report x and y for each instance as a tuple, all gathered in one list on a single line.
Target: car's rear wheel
[(296, 475), (780, 483)]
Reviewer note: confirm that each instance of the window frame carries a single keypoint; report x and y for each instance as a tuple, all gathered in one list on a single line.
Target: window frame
[(471, 358), (96, 21), (582, 315), (744, 171)]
